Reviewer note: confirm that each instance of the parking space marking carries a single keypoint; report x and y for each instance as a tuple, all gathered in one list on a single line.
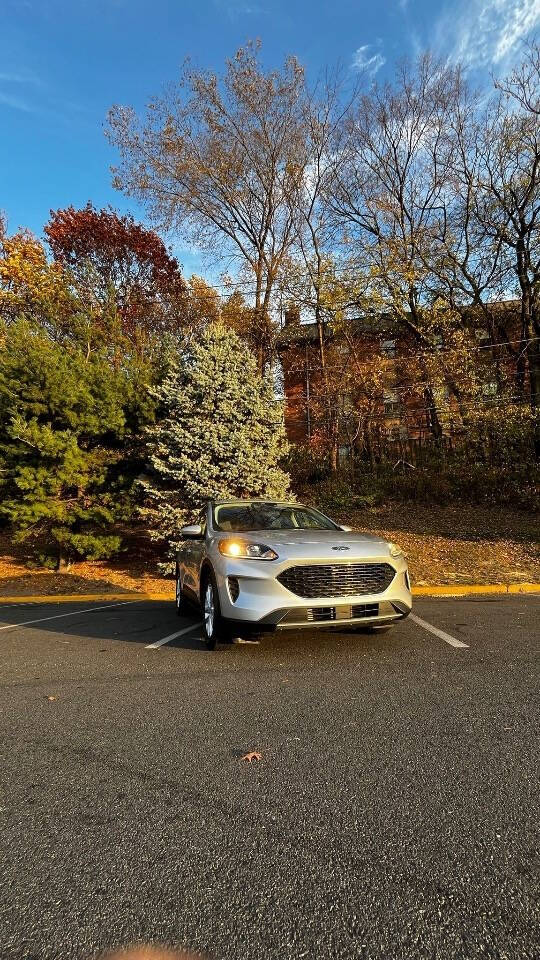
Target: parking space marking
[(172, 636), (70, 613), (438, 633)]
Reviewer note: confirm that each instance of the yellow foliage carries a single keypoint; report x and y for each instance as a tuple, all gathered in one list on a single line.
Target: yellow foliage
[(29, 284)]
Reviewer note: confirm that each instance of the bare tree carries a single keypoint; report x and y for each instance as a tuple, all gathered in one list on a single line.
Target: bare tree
[(392, 170), (507, 203), (310, 275), (217, 159)]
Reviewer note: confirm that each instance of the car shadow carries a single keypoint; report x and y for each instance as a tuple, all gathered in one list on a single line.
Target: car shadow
[(142, 623), (137, 622)]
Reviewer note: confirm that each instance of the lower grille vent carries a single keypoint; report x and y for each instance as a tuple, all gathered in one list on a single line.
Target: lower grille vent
[(320, 614), (359, 610), (234, 588)]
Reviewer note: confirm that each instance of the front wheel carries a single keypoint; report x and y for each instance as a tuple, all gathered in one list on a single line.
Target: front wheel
[(213, 627)]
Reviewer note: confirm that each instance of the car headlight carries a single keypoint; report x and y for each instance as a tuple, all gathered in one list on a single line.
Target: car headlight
[(244, 550), (395, 551)]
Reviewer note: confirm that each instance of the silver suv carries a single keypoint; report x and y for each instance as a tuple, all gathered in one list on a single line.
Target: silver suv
[(259, 565)]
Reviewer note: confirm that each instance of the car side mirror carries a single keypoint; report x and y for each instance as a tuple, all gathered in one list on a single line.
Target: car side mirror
[(345, 528), (193, 531)]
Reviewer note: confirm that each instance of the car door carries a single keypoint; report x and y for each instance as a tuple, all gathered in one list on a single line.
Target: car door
[(193, 556)]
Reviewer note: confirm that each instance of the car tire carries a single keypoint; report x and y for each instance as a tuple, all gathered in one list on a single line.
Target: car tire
[(179, 599), (213, 626)]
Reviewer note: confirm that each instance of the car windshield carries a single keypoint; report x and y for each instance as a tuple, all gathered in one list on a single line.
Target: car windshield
[(241, 517)]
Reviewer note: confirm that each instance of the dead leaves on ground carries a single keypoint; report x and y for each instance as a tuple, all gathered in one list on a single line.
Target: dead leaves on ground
[(253, 755)]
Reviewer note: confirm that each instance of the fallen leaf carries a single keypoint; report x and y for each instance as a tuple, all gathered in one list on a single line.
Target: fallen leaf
[(252, 756), (52, 698)]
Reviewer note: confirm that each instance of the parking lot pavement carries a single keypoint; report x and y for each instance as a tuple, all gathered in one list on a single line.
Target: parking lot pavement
[(393, 813)]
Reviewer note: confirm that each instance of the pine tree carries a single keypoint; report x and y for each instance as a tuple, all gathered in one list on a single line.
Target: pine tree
[(62, 432), (222, 433)]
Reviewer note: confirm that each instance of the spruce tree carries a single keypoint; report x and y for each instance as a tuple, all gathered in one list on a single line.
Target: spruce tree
[(221, 434)]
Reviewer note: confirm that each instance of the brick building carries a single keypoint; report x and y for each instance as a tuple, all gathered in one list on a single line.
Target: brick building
[(400, 413)]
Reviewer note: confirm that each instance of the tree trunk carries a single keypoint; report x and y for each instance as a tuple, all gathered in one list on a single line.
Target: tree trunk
[(63, 563), (432, 417), (533, 357), (530, 329)]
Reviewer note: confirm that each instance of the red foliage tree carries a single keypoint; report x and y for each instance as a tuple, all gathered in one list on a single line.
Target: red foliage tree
[(123, 262)]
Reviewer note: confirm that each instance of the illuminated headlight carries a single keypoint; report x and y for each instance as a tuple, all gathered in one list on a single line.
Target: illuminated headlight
[(243, 550), (395, 551)]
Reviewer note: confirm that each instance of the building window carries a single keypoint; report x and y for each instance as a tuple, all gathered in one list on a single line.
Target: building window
[(388, 348), (391, 402)]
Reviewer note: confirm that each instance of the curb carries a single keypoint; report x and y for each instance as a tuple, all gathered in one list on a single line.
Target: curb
[(466, 590), (84, 598), (441, 590)]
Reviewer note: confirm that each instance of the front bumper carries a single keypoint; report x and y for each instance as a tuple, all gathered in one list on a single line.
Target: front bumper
[(264, 603)]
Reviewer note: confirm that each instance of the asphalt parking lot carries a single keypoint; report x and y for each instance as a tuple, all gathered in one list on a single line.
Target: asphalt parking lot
[(394, 813)]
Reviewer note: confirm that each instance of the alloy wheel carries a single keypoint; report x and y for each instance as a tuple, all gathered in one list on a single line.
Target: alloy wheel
[(178, 592), (209, 611)]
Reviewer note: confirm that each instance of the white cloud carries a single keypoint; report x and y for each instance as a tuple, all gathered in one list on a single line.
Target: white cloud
[(366, 62), (483, 33)]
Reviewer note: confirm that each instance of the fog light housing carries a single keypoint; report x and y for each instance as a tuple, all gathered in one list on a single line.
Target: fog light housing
[(234, 588)]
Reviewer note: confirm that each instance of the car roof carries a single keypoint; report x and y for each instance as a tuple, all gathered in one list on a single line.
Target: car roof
[(239, 502)]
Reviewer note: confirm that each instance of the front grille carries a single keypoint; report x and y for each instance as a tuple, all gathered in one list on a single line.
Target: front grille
[(337, 579)]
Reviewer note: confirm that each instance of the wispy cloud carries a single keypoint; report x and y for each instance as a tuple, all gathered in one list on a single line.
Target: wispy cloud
[(482, 33), (11, 83), (366, 61), (24, 91), (16, 103), (238, 8)]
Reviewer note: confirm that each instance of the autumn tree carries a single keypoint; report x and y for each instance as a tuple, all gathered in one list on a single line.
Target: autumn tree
[(216, 158), (392, 166), (120, 270), (309, 271), (507, 201), (30, 286)]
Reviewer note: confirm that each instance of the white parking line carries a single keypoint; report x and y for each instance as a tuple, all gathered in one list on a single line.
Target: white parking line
[(438, 633), (70, 613), (172, 636)]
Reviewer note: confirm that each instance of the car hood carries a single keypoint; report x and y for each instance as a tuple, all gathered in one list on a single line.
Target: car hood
[(335, 545)]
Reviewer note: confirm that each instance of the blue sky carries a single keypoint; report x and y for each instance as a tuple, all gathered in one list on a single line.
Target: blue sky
[(64, 62)]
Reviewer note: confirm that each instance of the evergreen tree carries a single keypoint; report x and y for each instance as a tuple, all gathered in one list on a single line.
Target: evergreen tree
[(62, 432), (222, 433)]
